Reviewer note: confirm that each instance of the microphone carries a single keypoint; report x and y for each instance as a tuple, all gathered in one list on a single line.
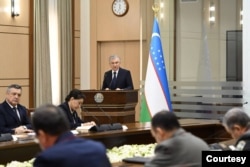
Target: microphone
[(102, 84), (110, 84), (109, 117), (102, 127), (106, 127), (90, 114)]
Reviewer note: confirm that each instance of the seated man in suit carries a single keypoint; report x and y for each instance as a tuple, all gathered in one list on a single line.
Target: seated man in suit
[(74, 101), (13, 116), (175, 146), (117, 78), (237, 123), (60, 147)]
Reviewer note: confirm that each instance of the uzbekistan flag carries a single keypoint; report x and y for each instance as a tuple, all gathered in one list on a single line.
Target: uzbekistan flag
[(156, 89)]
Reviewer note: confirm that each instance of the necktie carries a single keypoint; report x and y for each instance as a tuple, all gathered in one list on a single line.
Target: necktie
[(113, 82), (17, 113)]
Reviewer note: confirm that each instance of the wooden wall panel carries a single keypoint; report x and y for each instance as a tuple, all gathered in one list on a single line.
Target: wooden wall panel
[(76, 30), (111, 27), (21, 20), (77, 15), (15, 49), (14, 56), (76, 64)]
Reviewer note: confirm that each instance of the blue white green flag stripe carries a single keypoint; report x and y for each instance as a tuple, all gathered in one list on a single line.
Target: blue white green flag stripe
[(156, 89)]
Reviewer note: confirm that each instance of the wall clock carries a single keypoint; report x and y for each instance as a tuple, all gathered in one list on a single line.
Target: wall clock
[(120, 7)]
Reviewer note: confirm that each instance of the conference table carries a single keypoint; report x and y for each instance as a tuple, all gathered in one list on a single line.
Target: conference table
[(137, 133)]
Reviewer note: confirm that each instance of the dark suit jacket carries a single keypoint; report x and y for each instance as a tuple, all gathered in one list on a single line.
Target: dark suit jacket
[(124, 80), (243, 143), (70, 151), (9, 120), (183, 149), (65, 107)]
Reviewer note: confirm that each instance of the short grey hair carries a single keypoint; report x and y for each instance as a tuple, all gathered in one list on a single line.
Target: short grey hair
[(114, 57), (236, 116), (15, 86)]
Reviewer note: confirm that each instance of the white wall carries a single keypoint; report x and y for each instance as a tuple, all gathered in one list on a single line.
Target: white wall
[(246, 54), (190, 55)]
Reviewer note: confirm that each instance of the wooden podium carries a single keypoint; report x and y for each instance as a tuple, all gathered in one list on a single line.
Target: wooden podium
[(106, 106)]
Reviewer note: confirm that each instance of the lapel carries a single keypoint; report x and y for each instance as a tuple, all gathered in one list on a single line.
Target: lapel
[(109, 77), (69, 112), (10, 111), (119, 76), (20, 113)]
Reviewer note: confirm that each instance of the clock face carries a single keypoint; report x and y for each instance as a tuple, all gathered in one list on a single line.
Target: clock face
[(120, 7)]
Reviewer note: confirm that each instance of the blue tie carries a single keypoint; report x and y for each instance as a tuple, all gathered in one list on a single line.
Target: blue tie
[(113, 82)]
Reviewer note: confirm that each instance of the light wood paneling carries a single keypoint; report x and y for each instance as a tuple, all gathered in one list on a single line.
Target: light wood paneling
[(111, 27), (14, 46), (77, 14), (4, 82), (14, 56), (14, 30), (77, 34), (76, 65), (5, 13), (76, 59)]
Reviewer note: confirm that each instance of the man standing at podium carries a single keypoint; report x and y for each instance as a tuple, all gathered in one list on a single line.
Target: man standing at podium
[(117, 78)]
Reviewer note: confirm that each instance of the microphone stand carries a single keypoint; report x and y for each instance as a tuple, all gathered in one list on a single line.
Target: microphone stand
[(111, 125), (103, 127), (90, 114)]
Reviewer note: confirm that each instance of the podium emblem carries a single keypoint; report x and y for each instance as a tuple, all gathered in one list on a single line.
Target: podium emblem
[(98, 97)]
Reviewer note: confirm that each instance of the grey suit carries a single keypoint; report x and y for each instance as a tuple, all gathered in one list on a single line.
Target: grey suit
[(183, 149)]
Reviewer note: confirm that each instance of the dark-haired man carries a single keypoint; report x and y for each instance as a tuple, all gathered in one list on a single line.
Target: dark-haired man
[(13, 116), (175, 146), (60, 147), (237, 123)]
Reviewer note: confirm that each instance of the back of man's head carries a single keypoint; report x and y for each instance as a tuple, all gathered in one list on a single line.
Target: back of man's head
[(236, 116), (165, 120), (50, 119)]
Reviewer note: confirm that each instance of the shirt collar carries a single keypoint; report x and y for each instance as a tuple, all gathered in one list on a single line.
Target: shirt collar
[(10, 104), (115, 71)]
